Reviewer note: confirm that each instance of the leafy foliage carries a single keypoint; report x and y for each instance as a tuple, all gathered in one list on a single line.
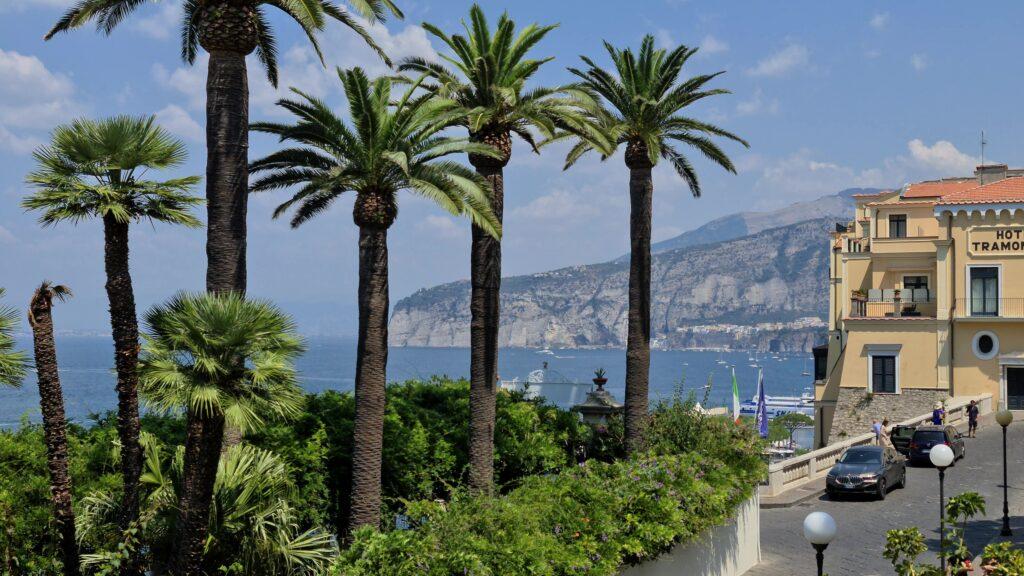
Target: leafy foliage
[(95, 168), (641, 105), (310, 15), (13, 363), (388, 148), (589, 519), (1002, 559)]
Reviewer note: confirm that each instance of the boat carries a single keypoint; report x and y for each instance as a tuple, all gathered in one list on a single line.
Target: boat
[(779, 405)]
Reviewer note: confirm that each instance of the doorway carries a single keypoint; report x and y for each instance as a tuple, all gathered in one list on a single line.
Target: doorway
[(1015, 388)]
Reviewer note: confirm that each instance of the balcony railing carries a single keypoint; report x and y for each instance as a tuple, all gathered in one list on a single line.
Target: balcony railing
[(989, 308), (892, 306)]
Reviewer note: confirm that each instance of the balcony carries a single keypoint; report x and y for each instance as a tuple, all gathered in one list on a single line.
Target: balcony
[(904, 245), (989, 308), (877, 303)]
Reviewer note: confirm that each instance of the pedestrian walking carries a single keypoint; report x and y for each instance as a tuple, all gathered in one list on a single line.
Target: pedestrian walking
[(938, 414), (886, 434), (876, 428), (972, 419)]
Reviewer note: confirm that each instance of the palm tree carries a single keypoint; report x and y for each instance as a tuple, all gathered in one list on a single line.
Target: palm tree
[(51, 403), (224, 360), (253, 520), (388, 148), (12, 362), (229, 30), (640, 105), (95, 169), (489, 83)]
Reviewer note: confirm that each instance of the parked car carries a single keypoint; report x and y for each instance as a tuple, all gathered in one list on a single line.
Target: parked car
[(901, 436), (867, 470), (925, 437)]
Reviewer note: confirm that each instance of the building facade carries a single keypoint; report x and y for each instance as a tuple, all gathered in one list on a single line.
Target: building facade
[(926, 302)]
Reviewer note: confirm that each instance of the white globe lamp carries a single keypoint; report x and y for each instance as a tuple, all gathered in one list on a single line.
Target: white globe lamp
[(819, 530), (941, 456)]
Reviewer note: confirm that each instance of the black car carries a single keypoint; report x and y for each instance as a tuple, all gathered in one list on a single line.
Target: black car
[(867, 470), (927, 436), (900, 437)]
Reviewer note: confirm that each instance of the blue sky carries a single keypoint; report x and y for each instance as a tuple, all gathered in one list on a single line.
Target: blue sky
[(830, 95)]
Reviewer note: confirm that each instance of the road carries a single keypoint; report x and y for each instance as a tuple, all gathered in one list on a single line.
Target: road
[(857, 548)]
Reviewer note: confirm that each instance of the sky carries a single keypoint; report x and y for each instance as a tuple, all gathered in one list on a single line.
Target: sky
[(829, 95)]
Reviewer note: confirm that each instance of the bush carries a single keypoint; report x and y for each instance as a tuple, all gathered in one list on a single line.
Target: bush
[(589, 519)]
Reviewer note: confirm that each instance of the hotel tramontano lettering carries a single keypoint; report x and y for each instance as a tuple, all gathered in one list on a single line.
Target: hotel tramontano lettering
[(996, 240)]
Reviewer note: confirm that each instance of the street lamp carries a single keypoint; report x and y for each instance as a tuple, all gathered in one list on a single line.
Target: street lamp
[(1004, 418), (819, 530), (941, 457)]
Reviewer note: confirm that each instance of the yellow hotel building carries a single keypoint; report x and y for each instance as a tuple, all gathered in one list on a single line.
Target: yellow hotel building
[(926, 302)]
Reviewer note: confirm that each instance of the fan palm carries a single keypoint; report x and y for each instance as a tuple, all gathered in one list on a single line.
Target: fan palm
[(224, 360), (641, 106), (51, 404), (229, 30), (388, 148), (94, 169), (252, 521), (12, 362), (488, 81)]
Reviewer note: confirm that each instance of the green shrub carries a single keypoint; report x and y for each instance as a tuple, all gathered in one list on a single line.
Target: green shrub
[(587, 519)]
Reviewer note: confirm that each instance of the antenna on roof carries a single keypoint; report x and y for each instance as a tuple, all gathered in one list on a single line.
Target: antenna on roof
[(983, 143)]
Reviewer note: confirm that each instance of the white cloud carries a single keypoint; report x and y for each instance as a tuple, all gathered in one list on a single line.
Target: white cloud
[(442, 227), (785, 60), (712, 45), (21, 5), (6, 237), (942, 157), (757, 105), (879, 21), (872, 53), (919, 62), (557, 205), (160, 24), (664, 39), (179, 122), (32, 99)]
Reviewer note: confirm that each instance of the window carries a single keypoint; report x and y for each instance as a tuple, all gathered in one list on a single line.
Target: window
[(883, 374), (984, 290), (897, 226), (985, 345), (915, 282)]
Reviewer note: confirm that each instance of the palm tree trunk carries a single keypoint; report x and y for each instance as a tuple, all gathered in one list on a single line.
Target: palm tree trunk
[(51, 402), (371, 377), (485, 310), (125, 328), (638, 335), (227, 179), (227, 170), (203, 440)]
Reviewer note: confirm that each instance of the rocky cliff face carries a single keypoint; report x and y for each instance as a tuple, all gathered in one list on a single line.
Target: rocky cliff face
[(775, 275)]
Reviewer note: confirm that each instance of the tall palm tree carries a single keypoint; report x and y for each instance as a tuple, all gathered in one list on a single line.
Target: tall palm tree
[(95, 169), (489, 83), (12, 362), (222, 359), (641, 106), (229, 30), (387, 148), (51, 403)]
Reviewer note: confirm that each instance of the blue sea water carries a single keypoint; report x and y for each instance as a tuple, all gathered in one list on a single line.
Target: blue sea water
[(86, 370)]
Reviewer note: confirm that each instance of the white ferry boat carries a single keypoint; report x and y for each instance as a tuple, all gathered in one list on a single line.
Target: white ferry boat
[(779, 405)]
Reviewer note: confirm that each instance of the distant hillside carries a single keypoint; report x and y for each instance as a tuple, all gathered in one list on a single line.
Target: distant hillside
[(838, 206), (775, 275)]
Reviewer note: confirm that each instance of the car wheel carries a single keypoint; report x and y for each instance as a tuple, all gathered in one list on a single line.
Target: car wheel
[(903, 480), (881, 489)]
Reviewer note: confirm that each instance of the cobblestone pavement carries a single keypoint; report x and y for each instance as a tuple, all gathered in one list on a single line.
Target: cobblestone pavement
[(857, 548)]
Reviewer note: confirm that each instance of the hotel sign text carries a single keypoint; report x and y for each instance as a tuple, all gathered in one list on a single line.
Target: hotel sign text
[(996, 241)]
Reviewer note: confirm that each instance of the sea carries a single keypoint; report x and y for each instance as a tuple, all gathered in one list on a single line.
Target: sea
[(87, 376)]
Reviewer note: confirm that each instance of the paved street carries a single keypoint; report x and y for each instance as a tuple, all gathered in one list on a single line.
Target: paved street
[(857, 549)]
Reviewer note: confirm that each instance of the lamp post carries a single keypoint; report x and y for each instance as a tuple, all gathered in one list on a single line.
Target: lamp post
[(941, 457), (1004, 418), (819, 530)]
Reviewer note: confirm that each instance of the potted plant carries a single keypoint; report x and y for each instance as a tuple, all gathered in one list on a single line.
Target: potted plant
[(599, 379)]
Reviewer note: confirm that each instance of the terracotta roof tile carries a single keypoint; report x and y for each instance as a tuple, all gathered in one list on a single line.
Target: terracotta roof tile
[(1009, 190), (939, 188)]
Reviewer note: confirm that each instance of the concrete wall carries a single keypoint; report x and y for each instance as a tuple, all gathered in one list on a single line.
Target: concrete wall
[(728, 550)]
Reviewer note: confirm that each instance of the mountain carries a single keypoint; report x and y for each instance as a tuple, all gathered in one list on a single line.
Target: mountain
[(738, 281)]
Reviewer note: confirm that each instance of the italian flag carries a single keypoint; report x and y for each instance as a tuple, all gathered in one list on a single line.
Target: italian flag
[(735, 398)]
